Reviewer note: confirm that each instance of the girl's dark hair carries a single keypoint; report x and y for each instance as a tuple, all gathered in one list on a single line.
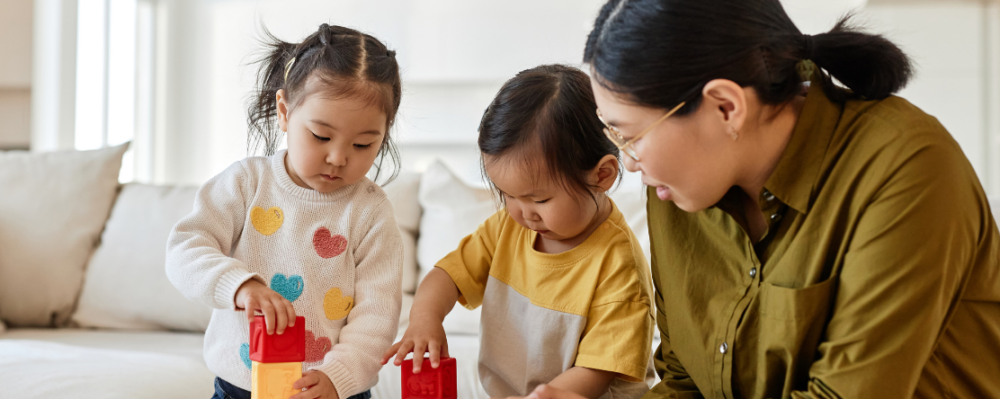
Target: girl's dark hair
[(662, 52), (547, 111), (341, 62)]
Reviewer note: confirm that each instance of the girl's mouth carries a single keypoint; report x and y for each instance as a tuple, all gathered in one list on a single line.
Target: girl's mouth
[(330, 178)]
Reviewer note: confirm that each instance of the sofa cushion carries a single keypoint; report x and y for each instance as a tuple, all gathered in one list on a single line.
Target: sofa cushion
[(125, 285), (402, 193), (54, 206)]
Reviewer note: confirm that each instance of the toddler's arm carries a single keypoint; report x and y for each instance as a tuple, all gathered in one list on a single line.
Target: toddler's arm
[(435, 298), (372, 323), (586, 382), (197, 256)]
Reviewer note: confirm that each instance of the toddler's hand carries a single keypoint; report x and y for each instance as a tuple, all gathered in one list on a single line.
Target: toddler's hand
[(423, 334), (278, 312), (317, 384)]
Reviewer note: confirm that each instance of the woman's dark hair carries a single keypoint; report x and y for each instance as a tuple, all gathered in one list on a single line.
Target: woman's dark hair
[(548, 112), (662, 52), (341, 62)]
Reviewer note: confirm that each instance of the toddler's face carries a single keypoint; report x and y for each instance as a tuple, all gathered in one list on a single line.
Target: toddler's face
[(331, 143), (540, 203)]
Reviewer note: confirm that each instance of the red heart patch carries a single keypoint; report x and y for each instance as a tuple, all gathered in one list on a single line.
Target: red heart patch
[(328, 245), (316, 349)]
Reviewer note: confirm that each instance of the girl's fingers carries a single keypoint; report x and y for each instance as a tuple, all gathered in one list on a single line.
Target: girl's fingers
[(435, 350), (418, 356), (392, 350), (280, 315), (250, 306), (268, 310), (306, 381), (401, 354), (291, 313)]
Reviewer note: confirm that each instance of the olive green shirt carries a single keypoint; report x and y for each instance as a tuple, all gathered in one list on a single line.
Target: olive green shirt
[(878, 276)]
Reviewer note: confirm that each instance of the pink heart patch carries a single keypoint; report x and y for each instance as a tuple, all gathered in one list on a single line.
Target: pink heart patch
[(328, 245), (316, 349)]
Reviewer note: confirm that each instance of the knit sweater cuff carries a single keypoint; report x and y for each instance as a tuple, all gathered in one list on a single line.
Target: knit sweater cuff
[(342, 379), (229, 283)]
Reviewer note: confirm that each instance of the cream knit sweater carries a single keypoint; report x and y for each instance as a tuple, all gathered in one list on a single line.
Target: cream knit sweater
[(336, 256)]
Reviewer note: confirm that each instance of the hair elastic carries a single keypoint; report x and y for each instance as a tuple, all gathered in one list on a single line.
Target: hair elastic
[(288, 67)]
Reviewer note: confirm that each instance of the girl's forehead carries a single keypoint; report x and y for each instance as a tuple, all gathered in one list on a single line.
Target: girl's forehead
[(517, 176)]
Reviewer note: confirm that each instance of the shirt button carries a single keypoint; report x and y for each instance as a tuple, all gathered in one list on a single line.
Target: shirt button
[(768, 196), (753, 272), (723, 348)]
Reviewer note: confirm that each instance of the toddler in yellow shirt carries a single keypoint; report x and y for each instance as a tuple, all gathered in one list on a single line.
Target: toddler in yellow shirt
[(563, 282)]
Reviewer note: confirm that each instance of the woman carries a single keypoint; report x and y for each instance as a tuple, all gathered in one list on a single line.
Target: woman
[(808, 240)]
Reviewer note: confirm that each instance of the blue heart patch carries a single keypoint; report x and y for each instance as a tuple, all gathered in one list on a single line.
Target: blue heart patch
[(288, 287), (245, 354)]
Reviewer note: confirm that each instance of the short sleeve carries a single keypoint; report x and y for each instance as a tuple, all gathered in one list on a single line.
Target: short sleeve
[(618, 338), (469, 264)]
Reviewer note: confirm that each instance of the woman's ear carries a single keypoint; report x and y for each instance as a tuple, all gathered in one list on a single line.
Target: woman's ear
[(727, 102), (282, 110), (606, 173)]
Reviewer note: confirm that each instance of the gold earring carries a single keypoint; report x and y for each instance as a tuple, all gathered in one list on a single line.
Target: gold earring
[(733, 133)]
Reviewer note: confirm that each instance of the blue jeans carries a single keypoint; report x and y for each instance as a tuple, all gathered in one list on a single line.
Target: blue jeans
[(225, 390)]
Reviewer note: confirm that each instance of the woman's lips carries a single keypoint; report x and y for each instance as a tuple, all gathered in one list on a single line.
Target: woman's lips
[(663, 193)]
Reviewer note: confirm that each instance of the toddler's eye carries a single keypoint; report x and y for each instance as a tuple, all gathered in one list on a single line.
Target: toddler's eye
[(542, 201), (320, 138), (362, 146)]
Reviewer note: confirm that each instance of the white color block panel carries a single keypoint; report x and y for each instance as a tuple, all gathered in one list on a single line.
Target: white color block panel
[(15, 43)]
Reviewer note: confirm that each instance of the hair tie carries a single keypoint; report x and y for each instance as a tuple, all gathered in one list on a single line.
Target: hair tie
[(390, 53), (323, 30), (808, 46), (288, 67)]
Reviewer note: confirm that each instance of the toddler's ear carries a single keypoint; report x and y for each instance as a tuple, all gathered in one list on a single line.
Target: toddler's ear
[(282, 110), (606, 173)]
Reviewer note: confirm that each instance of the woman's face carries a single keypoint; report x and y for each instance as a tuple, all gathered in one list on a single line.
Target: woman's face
[(690, 160)]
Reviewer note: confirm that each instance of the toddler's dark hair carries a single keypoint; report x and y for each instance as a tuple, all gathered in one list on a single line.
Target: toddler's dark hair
[(549, 111), (341, 62)]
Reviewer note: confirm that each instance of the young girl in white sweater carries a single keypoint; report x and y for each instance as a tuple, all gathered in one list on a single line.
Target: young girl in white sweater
[(303, 231)]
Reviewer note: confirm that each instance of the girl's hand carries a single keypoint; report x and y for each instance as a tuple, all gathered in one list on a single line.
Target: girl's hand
[(317, 384), (545, 391), (424, 334), (278, 312)]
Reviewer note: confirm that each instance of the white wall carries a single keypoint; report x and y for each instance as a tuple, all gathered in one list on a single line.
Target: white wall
[(949, 42), (15, 73)]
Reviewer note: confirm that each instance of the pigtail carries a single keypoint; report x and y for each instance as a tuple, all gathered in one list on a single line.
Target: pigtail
[(262, 110)]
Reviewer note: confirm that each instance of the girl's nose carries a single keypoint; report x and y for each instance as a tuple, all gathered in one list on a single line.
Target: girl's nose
[(337, 158), (630, 164)]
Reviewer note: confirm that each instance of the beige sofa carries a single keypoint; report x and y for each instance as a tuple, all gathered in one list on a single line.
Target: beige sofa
[(88, 308)]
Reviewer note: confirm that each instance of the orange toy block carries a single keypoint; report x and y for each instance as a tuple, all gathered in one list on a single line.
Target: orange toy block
[(274, 380)]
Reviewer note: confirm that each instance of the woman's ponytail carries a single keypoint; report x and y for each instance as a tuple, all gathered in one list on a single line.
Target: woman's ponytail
[(870, 65)]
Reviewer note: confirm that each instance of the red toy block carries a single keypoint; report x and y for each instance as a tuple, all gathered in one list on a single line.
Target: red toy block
[(287, 347), (431, 383)]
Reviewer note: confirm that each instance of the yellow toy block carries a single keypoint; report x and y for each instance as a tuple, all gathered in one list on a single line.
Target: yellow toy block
[(274, 380)]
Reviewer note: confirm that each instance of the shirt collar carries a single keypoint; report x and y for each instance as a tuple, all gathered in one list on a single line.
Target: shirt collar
[(795, 177)]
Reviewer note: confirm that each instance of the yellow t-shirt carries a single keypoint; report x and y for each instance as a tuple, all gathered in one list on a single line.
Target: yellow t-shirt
[(545, 313)]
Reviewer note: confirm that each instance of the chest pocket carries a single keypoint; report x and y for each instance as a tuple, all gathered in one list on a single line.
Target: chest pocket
[(792, 321)]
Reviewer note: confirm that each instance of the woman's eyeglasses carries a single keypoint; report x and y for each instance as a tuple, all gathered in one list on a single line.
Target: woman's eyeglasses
[(626, 146)]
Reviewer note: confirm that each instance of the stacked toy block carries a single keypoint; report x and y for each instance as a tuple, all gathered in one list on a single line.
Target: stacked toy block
[(276, 359), (430, 383)]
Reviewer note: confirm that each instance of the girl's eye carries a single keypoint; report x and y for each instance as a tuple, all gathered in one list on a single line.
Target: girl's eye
[(320, 138), (362, 146), (542, 201)]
